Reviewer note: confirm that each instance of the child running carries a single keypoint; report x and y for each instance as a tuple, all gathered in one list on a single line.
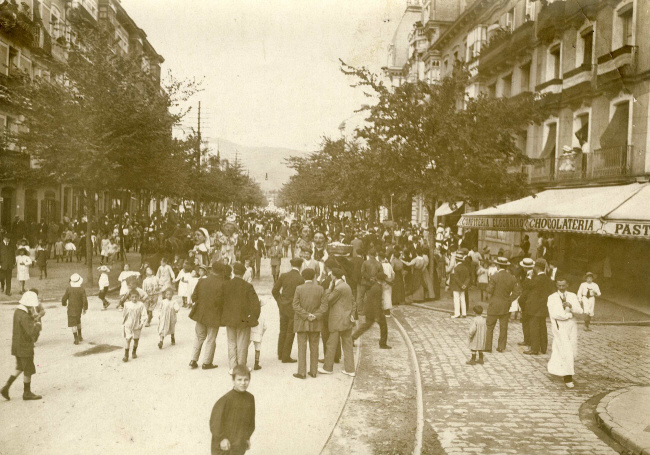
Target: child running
[(167, 317), (232, 421), (134, 317)]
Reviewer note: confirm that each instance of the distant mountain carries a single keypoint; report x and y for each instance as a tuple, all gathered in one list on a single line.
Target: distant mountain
[(260, 161)]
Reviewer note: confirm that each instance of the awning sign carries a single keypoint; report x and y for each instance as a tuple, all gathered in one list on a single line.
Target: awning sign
[(627, 229), (493, 223), (580, 225)]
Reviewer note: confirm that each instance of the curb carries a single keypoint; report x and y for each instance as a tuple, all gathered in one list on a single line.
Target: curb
[(419, 430), (617, 432), (627, 324)]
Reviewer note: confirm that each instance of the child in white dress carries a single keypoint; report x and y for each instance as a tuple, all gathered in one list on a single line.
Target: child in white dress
[(183, 279), (23, 262), (587, 293), (167, 316), (134, 317)]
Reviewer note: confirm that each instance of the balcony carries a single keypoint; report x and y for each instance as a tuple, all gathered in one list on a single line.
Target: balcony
[(88, 9), (495, 54), (576, 11), (42, 43), (523, 37), (611, 163), (17, 22), (621, 61), (578, 76), (553, 86), (550, 21)]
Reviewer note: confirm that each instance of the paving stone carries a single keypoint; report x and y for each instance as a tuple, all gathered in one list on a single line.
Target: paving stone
[(511, 404)]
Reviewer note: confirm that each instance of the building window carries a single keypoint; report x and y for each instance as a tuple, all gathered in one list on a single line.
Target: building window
[(616, 133), (627, 26), (55, 23), (492, 90), (506, 87), (530, 10), (581, 132), (550, 147), (587, 46), (555, 62), (510, 20), (525, 77), (4, 59)]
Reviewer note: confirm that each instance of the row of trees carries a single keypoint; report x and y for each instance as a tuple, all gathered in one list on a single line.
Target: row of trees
[(102, 122), (419, 138)]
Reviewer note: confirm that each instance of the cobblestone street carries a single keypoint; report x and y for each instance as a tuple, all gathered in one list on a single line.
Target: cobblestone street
[(511, 404)]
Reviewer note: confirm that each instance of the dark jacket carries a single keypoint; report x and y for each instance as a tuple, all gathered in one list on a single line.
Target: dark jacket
[(373, 301), (369, 270), (533, 300), (24, 334), (7, 256), (76, 300), (308, 299), (241, 306), (208, 295), (500, 289), (285, 288), (460, 277), (341, 305)]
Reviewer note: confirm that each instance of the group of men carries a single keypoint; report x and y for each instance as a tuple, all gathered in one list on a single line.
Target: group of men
[(540, 298)]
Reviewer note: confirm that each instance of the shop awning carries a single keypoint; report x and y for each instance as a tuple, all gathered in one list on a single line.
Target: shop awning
[(581, 210), (448, 208), (632, 218)]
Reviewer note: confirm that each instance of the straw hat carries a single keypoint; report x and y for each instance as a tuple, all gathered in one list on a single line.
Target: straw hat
[(76, 280), (527, 263), (103, 268), (502, 261)]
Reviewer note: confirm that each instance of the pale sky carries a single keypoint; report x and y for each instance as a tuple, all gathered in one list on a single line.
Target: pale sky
[(270, 67)]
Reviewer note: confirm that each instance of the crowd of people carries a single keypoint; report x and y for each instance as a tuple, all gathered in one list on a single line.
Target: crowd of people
[(345, 276)]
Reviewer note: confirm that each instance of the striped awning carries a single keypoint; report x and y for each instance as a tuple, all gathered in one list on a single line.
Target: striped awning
[(621, 211)]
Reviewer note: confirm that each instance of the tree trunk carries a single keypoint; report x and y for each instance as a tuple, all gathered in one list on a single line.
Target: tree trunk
[(90, 218), (431, 209)]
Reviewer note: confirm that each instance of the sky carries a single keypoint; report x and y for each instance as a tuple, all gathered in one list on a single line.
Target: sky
[(270, 68)]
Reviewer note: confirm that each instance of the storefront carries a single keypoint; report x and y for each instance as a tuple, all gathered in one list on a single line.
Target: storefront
[(605, 230)]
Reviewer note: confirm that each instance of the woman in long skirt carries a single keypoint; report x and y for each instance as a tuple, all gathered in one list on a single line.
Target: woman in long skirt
[(416, 290), (398, 283)]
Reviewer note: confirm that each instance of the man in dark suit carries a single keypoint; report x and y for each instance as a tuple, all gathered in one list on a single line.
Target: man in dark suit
[(369, 270), (309, 309), (208, 295), (7, 263), (283, 292), (500, 289), (341, 303), (535, 298), (241, 310)]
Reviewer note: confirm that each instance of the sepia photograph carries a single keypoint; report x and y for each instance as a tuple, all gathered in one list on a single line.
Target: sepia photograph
[(324, 227)]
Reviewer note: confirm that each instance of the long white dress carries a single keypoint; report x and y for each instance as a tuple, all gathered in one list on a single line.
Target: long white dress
[(167, 317), (565, 333), (22, 267), (183, 279), (134, 317)]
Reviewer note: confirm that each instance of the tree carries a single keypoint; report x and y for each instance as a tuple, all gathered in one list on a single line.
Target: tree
[(433, 140), (103, 122)]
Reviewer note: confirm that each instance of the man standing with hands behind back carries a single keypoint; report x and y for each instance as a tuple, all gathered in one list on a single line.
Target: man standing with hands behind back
[(500, 290), (7, 263), (283, 292)]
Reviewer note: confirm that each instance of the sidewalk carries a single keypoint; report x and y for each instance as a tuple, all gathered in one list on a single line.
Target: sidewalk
[(624, 415), (607, 312), (379, 416)]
